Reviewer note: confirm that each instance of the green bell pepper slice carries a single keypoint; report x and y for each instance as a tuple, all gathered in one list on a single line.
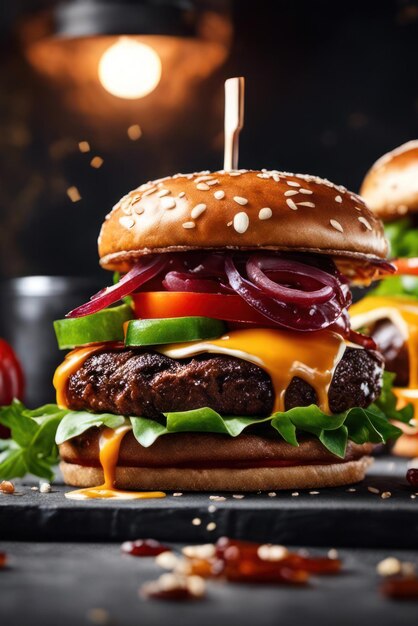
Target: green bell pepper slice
[(103, 326), (152, 332)]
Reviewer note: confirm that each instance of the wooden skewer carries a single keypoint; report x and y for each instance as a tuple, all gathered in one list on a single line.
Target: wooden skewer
[(234, 120)]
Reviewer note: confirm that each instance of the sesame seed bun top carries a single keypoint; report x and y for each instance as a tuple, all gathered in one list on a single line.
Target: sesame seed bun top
[(240, 210), (390, 187)]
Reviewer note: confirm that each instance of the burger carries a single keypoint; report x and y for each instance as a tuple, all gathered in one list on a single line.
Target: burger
[(389, 313), (239, 371), (222, 357)]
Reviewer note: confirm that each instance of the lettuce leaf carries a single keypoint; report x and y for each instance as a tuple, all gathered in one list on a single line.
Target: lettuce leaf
[(402, 236), (76, 423), (334, 431), (403, 242)]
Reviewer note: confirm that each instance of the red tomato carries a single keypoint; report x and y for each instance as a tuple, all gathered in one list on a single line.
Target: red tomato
[(406, 266), (11, 378), (155, 304)]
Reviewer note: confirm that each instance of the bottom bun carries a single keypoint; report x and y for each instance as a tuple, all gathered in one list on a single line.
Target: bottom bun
[(406, 445), (220, 479)]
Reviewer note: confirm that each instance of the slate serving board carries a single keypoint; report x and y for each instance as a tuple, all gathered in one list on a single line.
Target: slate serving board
[(331, 517)]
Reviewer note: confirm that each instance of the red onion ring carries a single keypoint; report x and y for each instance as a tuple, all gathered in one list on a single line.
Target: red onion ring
[(290, 316), (141, 272), (362, 340), (189, 281), (289, 271)]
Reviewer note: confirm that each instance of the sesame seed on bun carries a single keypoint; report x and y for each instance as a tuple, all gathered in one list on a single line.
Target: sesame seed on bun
[(240, 210), (390, 187)]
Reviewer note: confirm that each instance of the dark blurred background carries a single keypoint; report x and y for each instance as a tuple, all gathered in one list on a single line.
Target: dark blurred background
[(330, 86)]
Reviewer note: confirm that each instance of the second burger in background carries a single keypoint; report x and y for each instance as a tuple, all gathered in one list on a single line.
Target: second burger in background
[(389, 313)]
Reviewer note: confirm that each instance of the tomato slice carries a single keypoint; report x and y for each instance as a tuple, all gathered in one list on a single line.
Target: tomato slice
[(406, 266), (231, 308), (11, 379)]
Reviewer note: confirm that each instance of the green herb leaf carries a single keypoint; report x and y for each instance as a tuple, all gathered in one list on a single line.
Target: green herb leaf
[(22, 428), (13, 464)]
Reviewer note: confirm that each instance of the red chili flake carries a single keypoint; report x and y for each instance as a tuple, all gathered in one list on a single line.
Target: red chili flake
[(405, 587), (143, 547), (412, 476)]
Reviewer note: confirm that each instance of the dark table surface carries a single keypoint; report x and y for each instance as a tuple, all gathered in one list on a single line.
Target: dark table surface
[(345, 516), (51, 584)]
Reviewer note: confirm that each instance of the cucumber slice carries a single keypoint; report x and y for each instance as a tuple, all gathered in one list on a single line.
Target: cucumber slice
[(106, 325), (152, 332)]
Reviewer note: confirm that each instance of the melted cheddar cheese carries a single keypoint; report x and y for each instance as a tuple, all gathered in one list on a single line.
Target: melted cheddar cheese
[(282, 354), (403, 313)]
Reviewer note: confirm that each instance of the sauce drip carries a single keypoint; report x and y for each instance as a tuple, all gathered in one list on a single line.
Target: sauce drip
[(403, 313), (110, 441), (283, 354)]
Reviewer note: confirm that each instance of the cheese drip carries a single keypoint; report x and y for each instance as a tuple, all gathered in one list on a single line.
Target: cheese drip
[(403, 313), (72, 362), (110, 441), (282, 354)]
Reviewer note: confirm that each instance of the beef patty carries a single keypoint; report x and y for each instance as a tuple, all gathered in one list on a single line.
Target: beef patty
[(147, 384)]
